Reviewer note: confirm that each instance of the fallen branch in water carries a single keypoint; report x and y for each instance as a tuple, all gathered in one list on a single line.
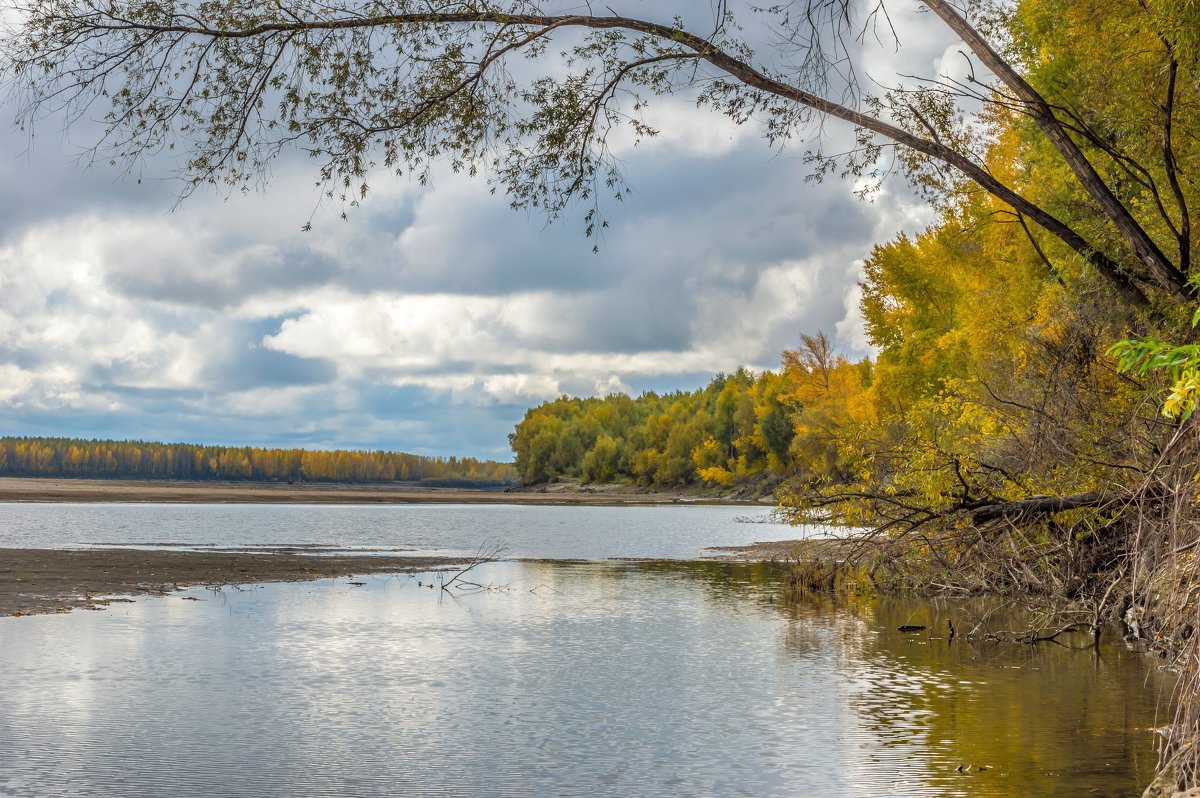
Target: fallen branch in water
[(490, 550), (1033, 636)]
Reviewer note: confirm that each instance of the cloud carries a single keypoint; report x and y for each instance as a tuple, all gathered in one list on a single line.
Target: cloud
[(514, 388), (612, 384), (851, 329), (15, 383), (683, 130)]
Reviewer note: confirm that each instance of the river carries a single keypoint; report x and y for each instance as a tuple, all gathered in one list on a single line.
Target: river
[(573, 676)]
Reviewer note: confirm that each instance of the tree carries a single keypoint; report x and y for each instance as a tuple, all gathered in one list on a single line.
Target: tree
[(397, 85), (602, 462)]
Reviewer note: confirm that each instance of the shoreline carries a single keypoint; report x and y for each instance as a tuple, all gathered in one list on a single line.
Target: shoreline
[(57, 490), (781, 550), (45, 581)]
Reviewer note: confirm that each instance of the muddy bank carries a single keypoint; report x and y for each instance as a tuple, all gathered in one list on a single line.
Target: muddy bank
[(25, 489), (36, 581), (625, 492), (784, 550)]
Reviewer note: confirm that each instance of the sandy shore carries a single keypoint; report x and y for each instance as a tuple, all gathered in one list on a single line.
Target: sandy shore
[(34, 581), (18, 489)]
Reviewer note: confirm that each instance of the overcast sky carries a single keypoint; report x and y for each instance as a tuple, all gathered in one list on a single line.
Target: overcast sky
[(434, 316)]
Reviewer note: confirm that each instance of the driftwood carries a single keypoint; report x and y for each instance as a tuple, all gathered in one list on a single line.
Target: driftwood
[(1040, 505)]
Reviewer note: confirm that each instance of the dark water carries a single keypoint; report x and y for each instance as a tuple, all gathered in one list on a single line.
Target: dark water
[(563, 679), (555, 532)]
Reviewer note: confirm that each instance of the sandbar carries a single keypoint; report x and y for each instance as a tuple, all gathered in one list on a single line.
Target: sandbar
[(36, 581), (49, 489)]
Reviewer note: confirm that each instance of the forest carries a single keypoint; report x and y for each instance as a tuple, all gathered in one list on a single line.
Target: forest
[(743, 433), (72, 457)]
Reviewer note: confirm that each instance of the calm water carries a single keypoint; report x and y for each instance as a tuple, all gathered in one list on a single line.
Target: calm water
[(561, 679), (553, 532)]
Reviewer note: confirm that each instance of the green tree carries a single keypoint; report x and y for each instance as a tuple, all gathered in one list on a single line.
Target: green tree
[(603, 462)]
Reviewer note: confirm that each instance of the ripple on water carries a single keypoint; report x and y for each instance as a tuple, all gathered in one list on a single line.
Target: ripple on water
[(610, 679)]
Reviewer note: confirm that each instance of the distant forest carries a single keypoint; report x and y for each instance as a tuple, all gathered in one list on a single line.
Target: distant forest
[(743, 431), (73, 457)]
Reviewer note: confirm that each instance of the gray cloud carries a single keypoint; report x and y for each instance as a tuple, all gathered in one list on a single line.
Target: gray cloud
[(179, 269), (254, 366)]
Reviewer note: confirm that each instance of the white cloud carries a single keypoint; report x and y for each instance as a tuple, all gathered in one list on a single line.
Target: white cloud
[(514, 388), (684, 131), (399, 333), (852, 329), (57, 307), (610, 385), (917, 48), (15, 382)]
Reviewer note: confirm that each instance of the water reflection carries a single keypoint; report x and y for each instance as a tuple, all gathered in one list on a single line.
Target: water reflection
[(675, 678), (1039, 720), (528, 531)]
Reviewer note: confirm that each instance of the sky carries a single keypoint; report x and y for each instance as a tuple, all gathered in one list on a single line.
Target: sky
[(432, 317)]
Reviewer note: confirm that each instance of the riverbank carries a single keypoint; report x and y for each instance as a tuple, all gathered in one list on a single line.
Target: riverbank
[(46, 489), (824, 549), (772, 550), (39, 581)]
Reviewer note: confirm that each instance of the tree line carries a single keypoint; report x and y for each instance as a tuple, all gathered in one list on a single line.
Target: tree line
[(73, 457), (743, 431)]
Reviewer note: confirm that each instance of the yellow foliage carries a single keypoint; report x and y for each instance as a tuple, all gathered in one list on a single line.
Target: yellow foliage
[(715, 475)]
